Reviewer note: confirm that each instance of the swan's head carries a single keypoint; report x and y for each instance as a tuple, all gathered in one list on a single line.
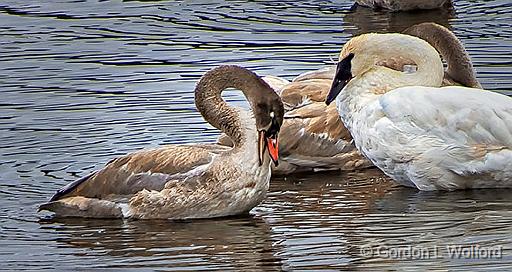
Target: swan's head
[(269, 113), (391, 52)]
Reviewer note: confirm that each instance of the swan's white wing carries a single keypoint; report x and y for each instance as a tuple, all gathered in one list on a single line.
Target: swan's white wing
[(465, 115), (450, 137)]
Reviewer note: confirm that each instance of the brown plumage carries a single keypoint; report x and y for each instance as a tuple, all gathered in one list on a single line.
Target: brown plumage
[(312, 137), (187, 181), (459, 70)]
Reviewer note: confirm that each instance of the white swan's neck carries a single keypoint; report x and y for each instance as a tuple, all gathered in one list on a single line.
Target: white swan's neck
[(378, 80)]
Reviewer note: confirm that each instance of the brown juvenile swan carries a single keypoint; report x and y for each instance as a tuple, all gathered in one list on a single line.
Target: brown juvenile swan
[(190, 181), (459, 70), (313, 136)]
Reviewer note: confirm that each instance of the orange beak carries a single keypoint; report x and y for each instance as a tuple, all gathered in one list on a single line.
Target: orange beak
[(273, 149), (271, 144)]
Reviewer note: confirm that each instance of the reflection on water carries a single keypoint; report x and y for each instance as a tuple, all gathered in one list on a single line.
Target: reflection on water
[(362, 209), (368, 20), (202, 245), (85, 81)]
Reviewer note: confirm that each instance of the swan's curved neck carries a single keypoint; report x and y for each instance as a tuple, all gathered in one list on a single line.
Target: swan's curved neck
[(216, 111), (459, 65), (378, 80), (383, 79)]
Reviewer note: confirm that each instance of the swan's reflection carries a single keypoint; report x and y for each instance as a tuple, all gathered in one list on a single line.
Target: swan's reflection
[(325, 220), (368, 20), (313, 215), (313, 221), (233, 243)]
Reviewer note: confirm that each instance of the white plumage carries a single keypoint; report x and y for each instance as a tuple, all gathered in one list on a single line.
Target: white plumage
[(429, 137), (441, 138)]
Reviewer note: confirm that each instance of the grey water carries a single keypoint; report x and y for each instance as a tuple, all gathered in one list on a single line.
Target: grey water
[(84, 81)]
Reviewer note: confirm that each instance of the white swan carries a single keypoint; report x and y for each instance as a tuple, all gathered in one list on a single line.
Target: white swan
[(418, 133), (189, 181), (313, 136)]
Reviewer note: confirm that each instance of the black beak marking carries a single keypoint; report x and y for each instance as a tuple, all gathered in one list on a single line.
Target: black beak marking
[(342, 77)]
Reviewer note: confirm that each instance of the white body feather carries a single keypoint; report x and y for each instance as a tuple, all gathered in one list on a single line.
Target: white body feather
[(431, 138), (438, 138)]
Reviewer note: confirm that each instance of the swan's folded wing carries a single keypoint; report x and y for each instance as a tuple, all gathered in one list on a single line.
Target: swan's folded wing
[(458, 113), (326, 72), (302, 93), (465, 130), (296, 95), (314, 137), (276, 83), (146, 169), (319, 119)]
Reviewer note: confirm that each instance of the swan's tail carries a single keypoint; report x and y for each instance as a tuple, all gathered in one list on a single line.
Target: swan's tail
[(79, 206)]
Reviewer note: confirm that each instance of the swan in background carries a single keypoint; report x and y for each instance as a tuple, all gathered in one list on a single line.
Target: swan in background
[(190, 181), (315, 139), (417, 132), (312, 135), (404, 5), (459, 70), (360, 19)]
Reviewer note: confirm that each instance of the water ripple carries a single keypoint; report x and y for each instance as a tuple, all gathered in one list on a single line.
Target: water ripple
[(83, 82)]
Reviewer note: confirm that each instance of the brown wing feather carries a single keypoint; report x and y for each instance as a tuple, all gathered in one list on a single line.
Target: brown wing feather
[(317, 118), (326, 72), (312, 135), (295, 93), (146, 169), (313, 121)]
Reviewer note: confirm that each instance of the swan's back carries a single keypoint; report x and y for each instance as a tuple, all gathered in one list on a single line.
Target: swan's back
[(442, 138), (475, 115)]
